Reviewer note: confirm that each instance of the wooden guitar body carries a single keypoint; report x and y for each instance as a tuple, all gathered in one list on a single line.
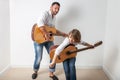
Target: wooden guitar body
[(39, 37), (64, 54)]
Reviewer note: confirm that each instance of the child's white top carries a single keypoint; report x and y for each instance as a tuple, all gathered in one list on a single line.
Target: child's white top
[(66, 42)]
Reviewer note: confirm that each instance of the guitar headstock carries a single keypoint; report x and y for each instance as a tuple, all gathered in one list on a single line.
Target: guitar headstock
[(98, 43)]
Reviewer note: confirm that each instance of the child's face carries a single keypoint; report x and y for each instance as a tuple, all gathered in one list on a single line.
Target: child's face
[(71, 39)]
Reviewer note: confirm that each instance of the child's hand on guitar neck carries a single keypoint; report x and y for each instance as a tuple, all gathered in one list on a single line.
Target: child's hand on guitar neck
[(96, 44), (92, 46)]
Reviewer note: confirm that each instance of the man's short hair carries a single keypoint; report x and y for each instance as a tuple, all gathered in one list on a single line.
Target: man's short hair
[(56, 3)]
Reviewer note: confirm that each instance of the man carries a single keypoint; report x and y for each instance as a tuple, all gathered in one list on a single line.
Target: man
[(48, 18)]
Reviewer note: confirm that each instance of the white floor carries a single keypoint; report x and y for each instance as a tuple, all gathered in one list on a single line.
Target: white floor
[(25, 74)]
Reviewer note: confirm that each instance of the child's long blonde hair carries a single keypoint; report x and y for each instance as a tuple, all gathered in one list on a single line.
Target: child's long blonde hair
[(75, 33)]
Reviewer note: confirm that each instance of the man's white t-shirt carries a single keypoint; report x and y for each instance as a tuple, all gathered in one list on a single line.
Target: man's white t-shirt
[(46, 19)]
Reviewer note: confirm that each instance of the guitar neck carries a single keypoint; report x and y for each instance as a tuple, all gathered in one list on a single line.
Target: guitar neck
[(82, 49), (90, 47)]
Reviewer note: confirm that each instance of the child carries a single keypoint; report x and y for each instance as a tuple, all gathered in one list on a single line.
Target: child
[(74, 37)]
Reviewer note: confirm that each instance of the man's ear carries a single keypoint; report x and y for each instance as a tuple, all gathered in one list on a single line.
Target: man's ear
[(50, 7)]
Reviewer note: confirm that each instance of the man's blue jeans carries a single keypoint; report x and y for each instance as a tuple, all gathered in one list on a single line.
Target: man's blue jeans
[(69, 69), (39, 52)]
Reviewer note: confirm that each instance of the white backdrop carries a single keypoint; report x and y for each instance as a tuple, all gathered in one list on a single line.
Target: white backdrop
[(112, 41), (86, 15), (4, 35)]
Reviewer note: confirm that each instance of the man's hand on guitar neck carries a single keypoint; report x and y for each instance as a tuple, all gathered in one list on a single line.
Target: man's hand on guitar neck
[(65, 35)]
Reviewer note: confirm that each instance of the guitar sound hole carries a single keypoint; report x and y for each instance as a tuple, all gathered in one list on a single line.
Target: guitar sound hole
[(68, 53), (50, 33), (59, 57)]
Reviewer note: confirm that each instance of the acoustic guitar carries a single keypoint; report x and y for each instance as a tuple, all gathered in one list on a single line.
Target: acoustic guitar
[(39, 37), (69, 51)]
